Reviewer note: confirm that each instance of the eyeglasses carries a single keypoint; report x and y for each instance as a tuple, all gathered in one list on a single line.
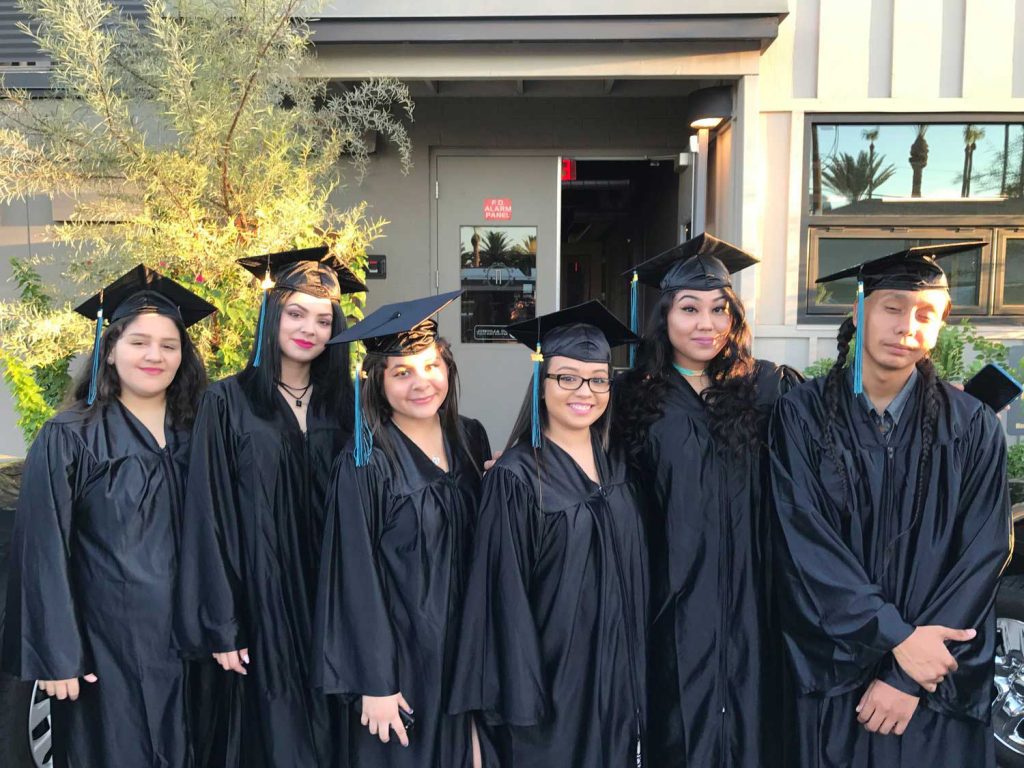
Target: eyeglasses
[(599, 385)]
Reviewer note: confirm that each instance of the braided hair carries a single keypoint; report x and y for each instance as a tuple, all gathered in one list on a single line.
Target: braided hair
[(933, 400), (735, 421)]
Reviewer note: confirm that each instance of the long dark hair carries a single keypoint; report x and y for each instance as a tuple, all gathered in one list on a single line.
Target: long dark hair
[(182, 394), (731, 398), (377, 411), (522, 430), (329, 372), (933, 401)]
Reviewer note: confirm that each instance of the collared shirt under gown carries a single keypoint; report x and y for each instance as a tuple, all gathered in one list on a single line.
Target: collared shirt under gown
[(552, 638), (394, 562), (859, 573), (716, 656), (254, 511), (91, 585)]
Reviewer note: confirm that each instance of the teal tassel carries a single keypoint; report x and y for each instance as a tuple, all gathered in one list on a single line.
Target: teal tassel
[(858, 354), (259, 332), (363, 437), (95, 358), (634, 315), (537, 358)]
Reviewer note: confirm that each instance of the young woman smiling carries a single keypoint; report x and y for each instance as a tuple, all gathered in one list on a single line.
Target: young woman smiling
[(263, 446), (94, 550), (401, 515), (552, 639), (694, 417)]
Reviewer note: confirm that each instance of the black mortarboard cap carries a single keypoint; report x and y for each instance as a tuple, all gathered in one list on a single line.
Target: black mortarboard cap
[(314, 271), (585, 332), (141, 290), (702, 263), (402, 328), (914, 269)]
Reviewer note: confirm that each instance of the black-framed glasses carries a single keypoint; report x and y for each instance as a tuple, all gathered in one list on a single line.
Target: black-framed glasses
[(599, 385)]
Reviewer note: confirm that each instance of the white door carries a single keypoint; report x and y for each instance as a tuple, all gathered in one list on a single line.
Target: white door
[(496, 236)]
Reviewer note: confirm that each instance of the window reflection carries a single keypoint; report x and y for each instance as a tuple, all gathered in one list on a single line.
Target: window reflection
[(907, 169), (499, 278)]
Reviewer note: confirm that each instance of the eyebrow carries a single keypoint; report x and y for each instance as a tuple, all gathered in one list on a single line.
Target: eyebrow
[(140, 335), (697, 298)]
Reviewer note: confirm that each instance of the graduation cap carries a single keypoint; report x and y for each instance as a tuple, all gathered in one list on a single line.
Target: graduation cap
[(402, 328), (586, 332), (140, 291), (915, 269), (313, 271), (702, 263)]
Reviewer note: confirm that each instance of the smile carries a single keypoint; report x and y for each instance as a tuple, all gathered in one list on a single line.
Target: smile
[(421, 400), (303, 343), (581, 407), (152, 371)]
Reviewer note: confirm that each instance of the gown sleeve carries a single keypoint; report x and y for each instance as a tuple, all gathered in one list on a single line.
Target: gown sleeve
[(964, 597), (354, 645), (43, 639), (209, 605), (838, 623), (498, 668)]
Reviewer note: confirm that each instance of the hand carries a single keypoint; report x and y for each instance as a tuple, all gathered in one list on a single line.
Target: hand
[(65, 689), (924, 655), (380, 715), (884, 709), (491, 461), (232, 661)]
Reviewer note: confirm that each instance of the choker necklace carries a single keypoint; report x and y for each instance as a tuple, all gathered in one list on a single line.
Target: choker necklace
[(687, 371), (297, 392)]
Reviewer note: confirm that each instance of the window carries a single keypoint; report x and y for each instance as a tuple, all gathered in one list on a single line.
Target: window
[(876, 188)]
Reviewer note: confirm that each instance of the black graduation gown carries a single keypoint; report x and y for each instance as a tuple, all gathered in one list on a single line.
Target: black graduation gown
[(394, 561), (91, 586), (552, 645), (844, 609), (716, 653), (254, 511)]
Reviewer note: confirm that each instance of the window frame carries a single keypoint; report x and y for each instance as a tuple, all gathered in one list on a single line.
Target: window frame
[(1003, 237), (987, 226), (816, 234)]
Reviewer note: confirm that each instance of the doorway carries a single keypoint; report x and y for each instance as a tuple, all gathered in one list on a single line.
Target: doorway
[(615, 213)]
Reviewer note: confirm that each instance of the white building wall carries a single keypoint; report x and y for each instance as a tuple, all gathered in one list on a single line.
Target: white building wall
[(866, 57)]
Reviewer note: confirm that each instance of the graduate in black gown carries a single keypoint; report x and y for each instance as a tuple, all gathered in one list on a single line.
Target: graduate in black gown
[(89, 602), (402, 510), (892, 500), (263, 445), (694, 414), (552, 642)]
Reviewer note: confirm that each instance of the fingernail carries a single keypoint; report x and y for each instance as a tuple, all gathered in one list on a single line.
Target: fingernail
[(245, 658), (858, 709)]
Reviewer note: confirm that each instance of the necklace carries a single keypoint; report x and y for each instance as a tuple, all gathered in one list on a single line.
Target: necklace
[(436, 460), (687, 371), (296, 392)]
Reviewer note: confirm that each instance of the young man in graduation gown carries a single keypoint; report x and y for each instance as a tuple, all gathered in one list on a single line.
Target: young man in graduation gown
[(94, 550), (262, 449), (891, 494)]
